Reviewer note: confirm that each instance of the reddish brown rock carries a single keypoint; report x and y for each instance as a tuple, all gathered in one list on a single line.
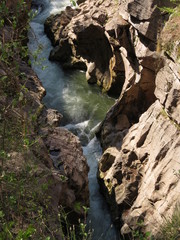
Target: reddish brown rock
[(70, 165)]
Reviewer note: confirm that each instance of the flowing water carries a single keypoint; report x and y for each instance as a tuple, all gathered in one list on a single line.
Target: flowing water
[(82, 105)]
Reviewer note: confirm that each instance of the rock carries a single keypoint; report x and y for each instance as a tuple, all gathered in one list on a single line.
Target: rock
[(80, 1), (139, 84), (146, 17), (84, 40), (55, 24), (66, 153), (32, 82), (93, 36), (53, 117), (168, 90), (138, 177)]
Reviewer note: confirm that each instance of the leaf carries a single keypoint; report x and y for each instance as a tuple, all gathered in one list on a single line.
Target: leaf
[(21, 96), (1, 214), (73, 2), (3, 78)]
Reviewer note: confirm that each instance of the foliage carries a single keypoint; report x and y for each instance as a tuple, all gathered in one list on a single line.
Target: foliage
[(26, 210), (170, 230), (138, 234), (73, 2), (172, 9)]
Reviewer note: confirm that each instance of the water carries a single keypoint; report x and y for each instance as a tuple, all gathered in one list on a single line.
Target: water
[(83, 107)]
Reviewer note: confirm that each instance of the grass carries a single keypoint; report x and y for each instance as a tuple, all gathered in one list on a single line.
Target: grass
[(170, 230), (164, 114), (169, 40)]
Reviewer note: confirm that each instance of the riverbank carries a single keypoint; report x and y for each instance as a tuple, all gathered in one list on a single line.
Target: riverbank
[(121, 48), (39, 182)]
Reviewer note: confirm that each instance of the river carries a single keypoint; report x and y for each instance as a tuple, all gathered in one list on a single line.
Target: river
[(82, 105)]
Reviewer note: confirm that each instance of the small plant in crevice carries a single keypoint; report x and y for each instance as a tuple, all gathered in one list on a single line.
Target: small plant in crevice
[(73, 2), (170, 10), (139, 235)]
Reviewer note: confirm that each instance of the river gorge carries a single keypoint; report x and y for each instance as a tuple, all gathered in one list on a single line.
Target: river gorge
[(83, 107), (89, 119)]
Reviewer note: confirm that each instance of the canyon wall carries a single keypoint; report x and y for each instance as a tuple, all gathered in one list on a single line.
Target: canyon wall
[(122, 48)]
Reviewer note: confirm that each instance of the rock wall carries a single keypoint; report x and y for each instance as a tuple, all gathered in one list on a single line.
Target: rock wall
[(140, 179), (104, 37), (139, 170), (115, 42)]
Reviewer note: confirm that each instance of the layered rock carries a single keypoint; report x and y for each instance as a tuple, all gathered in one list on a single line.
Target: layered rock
[(141, 181), (115, 43), (138, 172)]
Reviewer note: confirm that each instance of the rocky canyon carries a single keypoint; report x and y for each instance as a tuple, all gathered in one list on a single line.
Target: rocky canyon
[(131, 50)]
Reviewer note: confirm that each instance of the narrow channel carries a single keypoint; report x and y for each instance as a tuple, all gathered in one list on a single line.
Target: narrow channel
[(82, 105)]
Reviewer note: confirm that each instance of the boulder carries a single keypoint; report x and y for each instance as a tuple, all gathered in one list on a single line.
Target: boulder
[(55, 24), (66, 154), (53, 117)]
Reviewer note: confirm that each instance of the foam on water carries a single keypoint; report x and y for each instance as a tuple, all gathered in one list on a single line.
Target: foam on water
[(83, 107)]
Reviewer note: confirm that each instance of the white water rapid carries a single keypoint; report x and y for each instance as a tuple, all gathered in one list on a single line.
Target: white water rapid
[(83, 107)]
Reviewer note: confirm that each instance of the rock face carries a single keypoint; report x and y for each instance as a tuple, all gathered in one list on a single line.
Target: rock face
[(138, 172), (70, 167), (115, 42), (141, 181), (99, 36)]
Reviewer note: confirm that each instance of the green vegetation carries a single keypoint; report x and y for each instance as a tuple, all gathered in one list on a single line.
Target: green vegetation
[(170, 230), (172, 9), (73, 2), (169, 41), (26, 209)]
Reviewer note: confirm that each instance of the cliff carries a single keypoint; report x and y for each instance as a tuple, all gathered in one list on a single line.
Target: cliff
[(120, 45)]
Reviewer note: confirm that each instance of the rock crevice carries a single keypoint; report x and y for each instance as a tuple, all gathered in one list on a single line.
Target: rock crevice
[(115, 43)]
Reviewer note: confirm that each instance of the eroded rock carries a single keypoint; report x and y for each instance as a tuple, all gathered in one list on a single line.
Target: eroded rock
[(70, 165), (115, 44), (141, 183)]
